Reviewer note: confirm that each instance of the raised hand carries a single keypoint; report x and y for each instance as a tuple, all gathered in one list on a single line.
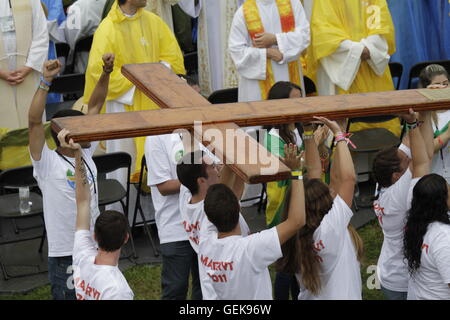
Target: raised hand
[(292, 159), (108, 62), (51, 69), (409, 117), (62, 137), (333, 125)]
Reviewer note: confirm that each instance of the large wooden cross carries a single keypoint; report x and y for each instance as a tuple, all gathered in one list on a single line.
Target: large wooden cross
[(181, 107)]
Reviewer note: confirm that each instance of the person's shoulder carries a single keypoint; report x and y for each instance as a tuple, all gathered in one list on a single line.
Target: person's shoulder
[(439, 230)]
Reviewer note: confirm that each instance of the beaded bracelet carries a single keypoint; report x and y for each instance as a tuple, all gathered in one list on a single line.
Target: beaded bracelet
[(48, 84)]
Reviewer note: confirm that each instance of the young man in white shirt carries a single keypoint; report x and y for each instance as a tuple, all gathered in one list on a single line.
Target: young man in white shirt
[(393, 172), (54, 172), (233, 267), (197, 173), (96, 272), (179, 260)]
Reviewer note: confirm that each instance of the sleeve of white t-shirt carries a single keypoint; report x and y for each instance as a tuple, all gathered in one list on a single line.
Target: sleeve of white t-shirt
[(400, 191), (440, 252), (339, 216), (263, 249), (84, 245), (42, 167), (158, 161)]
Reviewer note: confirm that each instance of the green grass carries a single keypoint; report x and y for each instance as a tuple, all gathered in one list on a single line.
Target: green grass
[(144, 280)]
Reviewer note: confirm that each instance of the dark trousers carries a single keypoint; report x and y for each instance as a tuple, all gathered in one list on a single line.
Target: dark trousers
[(285, 283), (178, 261), (60, 275)]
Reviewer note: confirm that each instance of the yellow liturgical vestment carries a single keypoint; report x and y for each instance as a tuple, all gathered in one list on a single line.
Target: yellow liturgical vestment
[(333, 22), (142, 38)]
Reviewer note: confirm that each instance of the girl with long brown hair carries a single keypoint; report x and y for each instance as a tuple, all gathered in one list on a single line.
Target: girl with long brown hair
[(324, 253)]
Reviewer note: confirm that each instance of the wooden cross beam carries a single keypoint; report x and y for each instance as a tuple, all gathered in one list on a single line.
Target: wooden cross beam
[(172, 93)]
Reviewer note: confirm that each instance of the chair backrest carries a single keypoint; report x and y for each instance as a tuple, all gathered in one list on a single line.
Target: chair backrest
[(191, 62), (224, 96), (18, 177), (110, 162), (417, 69), (69, 84), (62, 50), (310, 87), (396, 69), (84, 45)]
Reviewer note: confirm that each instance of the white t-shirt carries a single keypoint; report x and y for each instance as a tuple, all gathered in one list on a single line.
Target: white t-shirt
[(195, 221), (56, 179), (162, 154), (339, 267), (236, 267), (430, 281), (441, 159), (391, 209), (92, 281)]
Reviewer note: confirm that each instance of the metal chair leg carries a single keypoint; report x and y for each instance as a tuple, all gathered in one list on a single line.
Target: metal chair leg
[(44, 234), (130, 233), (147, 229)]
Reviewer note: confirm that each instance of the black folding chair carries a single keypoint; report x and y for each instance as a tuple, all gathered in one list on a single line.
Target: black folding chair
[(138, 208), (417, 69), (9, 207), (224, 96), (191, 62), (396, 69), (310, 87), (111, 190)]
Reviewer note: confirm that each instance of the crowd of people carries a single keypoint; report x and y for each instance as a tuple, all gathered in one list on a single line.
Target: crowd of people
[(343, 46)]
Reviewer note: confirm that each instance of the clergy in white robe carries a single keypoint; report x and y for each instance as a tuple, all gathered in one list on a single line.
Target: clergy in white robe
[(251, 61), (216, 69), (23, 50), (83, 18)]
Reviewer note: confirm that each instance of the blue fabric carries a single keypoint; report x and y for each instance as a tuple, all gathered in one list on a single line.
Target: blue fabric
[(441, 14), (55, 12), (419, 32)]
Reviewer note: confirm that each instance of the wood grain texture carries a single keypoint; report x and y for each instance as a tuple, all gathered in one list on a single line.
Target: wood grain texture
[(163, 86), (251, 161), (153, 122)]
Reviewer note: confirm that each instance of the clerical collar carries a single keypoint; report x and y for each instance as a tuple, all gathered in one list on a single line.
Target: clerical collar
[(126, 14)]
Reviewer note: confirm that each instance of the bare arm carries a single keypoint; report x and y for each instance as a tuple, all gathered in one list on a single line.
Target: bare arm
[(426, 129), (82, 190), (342, 170), (169, 187), (441, 140), (312, 157), (98, 97), (420, 158), (296, 215), (36, 132)]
